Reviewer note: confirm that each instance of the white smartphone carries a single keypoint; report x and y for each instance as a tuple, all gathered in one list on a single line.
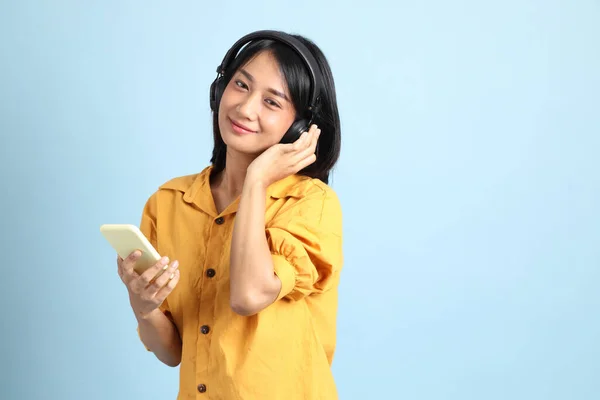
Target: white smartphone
[(126, 239)]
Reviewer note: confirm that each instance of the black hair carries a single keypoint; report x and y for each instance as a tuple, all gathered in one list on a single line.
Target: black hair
[(326, 115)]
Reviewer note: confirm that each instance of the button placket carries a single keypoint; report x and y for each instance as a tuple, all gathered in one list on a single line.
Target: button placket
[(205, 329), (207, 294)]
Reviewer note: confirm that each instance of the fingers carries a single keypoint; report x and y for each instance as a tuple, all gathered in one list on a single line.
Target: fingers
[(301, 143), (305, 162), (125, 266), (306, 155), (168, 288), (315, 139), (164, 277), (120, 266), (139, 284), (305, 139)]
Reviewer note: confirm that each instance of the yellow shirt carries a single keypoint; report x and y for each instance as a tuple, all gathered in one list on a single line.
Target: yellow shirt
[(285, 351)]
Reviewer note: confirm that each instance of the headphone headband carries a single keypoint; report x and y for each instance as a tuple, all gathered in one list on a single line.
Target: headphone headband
[(293, 43)]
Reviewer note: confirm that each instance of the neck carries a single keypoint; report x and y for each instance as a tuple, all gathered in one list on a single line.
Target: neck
[(231, 179)]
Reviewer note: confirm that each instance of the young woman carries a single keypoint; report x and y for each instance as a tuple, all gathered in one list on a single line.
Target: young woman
[(247, 304)]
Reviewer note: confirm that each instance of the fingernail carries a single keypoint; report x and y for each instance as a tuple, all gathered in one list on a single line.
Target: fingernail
[(175, 264), (165, 259)]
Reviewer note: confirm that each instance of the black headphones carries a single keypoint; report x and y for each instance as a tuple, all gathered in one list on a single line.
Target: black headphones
[(301, 124)]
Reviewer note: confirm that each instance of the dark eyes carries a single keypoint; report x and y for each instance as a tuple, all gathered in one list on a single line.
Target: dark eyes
[(242, 85)]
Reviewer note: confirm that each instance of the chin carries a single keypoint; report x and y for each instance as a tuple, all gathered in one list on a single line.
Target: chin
[(240, 146)]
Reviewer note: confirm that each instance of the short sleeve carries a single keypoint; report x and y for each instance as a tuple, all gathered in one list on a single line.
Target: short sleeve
[(306, 246), (148, 227)]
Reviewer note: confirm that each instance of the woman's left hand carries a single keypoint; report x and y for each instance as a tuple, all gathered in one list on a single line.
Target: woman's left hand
[(282, 160)]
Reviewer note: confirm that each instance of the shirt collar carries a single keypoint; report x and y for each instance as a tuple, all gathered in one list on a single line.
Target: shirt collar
[(196, 190)]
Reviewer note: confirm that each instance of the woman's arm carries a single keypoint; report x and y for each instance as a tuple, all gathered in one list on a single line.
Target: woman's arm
[(160, 336), (254, 285), (147, 293)]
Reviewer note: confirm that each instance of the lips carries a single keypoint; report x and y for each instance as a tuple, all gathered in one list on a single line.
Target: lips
[(241, 129)]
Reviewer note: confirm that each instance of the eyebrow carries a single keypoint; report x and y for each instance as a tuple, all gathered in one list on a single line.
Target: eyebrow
[(275, 92)]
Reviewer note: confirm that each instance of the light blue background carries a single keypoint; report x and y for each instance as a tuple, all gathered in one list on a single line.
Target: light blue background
[(469, 178)]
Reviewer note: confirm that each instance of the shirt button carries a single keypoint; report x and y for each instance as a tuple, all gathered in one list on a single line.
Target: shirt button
[(210, 272), (204, 329), (220, 220), (202, 388)]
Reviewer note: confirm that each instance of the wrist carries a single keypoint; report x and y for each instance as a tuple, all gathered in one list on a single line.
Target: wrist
[(256, 182), (141, 316)]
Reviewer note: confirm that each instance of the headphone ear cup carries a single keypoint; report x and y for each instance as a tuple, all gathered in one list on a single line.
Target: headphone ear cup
[(297, 128), (216, 91)]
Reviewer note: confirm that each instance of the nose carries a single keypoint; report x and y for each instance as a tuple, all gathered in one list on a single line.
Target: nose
[(250, 106)]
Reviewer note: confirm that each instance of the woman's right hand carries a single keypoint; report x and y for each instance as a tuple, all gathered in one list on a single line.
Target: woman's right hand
[(150, 289)]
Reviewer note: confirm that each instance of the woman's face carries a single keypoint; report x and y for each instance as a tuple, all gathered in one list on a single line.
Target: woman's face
[(256, 108)]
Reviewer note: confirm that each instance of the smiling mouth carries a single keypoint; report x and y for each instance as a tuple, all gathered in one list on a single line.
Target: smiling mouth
[(239, 128)]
